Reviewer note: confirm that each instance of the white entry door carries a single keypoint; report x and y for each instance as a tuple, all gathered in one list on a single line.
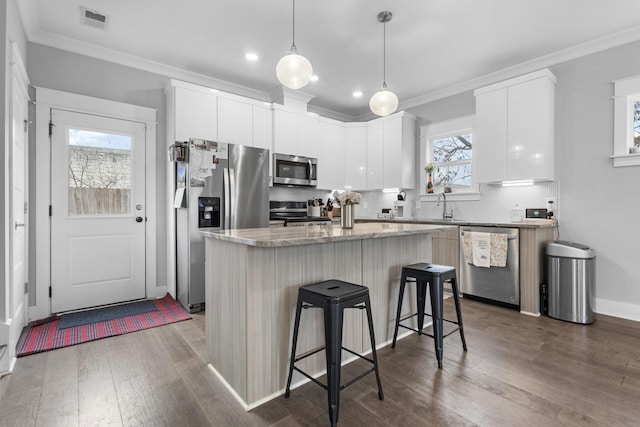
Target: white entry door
[(98, 211)]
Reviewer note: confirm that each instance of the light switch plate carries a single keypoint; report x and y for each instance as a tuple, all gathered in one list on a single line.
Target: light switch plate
[(417, 204)]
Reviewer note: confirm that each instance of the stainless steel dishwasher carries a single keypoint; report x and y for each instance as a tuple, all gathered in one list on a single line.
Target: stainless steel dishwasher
[(493, 284)]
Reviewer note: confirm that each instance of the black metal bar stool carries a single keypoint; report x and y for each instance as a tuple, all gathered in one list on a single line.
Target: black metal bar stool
[(434, 276), (333, 296)]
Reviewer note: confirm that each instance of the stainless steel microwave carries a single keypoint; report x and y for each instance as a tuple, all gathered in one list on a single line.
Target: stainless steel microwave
[(295, 170)]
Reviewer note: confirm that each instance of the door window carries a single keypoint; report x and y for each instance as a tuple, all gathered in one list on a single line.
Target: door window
[(99, 173)]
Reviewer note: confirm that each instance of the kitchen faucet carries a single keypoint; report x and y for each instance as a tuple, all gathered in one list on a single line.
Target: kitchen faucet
[(446, 216)]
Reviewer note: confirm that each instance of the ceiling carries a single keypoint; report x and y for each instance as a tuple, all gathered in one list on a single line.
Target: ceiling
[(433, 47)]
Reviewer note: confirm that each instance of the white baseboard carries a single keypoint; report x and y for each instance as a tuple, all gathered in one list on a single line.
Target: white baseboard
[(617, 309)]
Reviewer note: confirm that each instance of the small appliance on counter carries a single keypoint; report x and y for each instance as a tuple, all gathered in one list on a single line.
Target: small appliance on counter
[(294, 213), (532, 213)]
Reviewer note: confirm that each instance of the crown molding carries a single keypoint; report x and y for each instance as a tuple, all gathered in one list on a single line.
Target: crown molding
[(29, 16), (110, 55), (577, 51)]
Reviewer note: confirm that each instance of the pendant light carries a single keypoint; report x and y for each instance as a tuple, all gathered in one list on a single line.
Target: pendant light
[(384, 102), (294, 70)]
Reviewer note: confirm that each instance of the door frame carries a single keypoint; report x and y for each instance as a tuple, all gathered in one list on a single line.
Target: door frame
[(50, 98), (13, 316)]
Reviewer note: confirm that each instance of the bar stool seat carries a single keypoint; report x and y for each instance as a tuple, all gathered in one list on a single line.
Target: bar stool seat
[(432, 276), (333, 296)]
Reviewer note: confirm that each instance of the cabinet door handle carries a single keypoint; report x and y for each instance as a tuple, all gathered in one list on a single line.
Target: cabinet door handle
[(18, 224)]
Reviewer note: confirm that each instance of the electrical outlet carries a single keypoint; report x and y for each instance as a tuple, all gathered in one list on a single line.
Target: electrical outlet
[(364, 205), (417, 204)]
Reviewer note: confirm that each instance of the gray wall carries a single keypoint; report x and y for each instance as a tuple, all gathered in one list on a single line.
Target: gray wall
[(600, 203), (58, 69)]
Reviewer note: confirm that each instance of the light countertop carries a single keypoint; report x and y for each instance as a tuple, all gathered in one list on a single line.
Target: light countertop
[(530, 223), (306, 235)]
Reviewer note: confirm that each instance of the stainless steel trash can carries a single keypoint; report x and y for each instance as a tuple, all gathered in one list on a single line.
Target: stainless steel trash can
[(571, 269)]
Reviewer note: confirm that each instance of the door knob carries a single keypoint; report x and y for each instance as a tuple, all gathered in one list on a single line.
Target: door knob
[(138, 219)]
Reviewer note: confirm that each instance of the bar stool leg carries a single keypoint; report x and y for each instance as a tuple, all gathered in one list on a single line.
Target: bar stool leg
[(373, 346), (421, 294), (333, 339), (435, 290), (403, 282), (456, 300), (294, 343)]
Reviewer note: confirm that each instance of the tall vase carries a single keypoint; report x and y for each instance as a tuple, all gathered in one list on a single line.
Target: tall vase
[(346, 216), (430, 184)]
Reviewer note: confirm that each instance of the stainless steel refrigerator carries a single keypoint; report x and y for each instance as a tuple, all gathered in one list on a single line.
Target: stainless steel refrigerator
[(218, 186)]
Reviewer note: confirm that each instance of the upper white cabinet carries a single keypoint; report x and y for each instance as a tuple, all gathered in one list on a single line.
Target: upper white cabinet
[(244, 121), (391, 145), (192, 113), (514, 130), (263, 126), (295, 132), (331, 156), (375, 155), (355, 149)]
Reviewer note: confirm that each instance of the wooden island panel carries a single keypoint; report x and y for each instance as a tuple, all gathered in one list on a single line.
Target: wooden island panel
[(251, 293)]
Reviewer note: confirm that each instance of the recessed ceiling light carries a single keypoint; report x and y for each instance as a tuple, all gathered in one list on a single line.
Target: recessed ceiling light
[(357, 94), (251, 56), (314, 78)]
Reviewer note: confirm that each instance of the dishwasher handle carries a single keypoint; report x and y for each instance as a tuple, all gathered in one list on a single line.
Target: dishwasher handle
[(508, 238)]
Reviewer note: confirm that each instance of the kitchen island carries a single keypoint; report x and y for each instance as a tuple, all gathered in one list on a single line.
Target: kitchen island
[(252, 278)]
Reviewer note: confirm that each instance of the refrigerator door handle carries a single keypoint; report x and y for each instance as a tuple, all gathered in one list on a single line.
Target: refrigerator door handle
[(226, 178)]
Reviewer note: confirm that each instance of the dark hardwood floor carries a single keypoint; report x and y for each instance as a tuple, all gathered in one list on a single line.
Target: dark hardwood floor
[(519, 371)]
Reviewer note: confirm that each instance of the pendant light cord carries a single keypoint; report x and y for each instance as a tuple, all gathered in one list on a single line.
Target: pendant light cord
[(293, 36), (384, 54)]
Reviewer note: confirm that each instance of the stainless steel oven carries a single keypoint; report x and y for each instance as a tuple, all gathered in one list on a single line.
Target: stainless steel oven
[(295, 170)]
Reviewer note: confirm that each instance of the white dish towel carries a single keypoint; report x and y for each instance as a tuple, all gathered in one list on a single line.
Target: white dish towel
[(481, 243)]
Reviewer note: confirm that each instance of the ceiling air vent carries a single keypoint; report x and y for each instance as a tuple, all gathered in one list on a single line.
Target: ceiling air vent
[(94, 19)]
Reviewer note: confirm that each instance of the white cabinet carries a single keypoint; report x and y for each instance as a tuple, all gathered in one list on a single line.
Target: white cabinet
[(375, 155), (295, 132), (514, 130), (263, 127), (391, 145), (355, 149), (308, 135), (244, 121), (331, 156), (194, 113), (235, 119)]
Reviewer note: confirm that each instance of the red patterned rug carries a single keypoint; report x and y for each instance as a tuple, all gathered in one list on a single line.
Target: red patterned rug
[(49, 336)]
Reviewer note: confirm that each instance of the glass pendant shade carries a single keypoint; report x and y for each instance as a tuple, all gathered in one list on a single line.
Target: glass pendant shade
[(294, 70), (383, 102)]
